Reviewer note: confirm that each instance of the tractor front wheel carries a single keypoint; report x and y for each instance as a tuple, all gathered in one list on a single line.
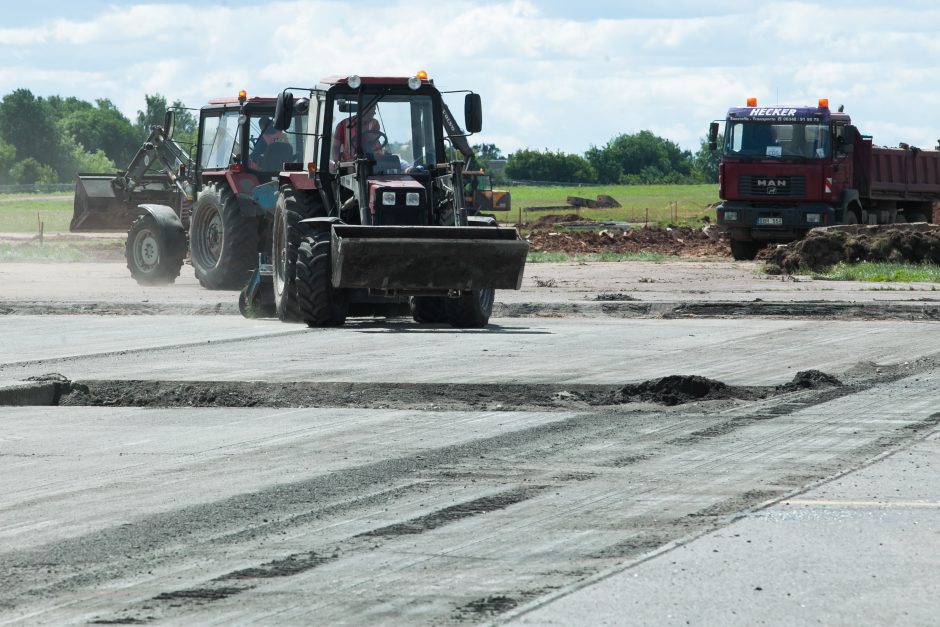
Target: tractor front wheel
[(320, 304), (149, 255), (470, 310)]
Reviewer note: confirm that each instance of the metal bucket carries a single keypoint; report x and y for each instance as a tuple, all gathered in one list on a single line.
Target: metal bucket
[(97, 208), (427, 259)]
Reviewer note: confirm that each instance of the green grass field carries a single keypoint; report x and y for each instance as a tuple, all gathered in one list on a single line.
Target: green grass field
[(19, 214), (655, 203), (879, 272)]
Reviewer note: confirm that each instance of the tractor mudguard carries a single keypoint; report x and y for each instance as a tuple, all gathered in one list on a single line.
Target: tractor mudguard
[(322, 224), (170, 227)]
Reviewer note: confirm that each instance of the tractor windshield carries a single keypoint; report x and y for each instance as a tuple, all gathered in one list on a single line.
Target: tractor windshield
[(397, 131), (763, 139)]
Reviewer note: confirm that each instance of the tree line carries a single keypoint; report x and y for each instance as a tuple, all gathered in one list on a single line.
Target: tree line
[(627, 159), (50, 140)]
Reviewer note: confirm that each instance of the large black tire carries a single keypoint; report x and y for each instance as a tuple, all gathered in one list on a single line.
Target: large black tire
[(471, 310), (850, 216), (292, 207), (151, 259), (320, 304), (916, 216), (744, 250), (223, 242), (428, 309)]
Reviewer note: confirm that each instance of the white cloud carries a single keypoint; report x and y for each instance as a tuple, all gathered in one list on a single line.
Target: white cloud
[(553, 75)]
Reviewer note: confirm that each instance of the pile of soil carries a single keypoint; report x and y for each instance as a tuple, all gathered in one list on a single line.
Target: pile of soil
[(552, 220), (825, 247), (679, 241)]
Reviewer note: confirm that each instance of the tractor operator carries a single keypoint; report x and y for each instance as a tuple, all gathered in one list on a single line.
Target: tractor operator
[(269, 136), (344, 137)]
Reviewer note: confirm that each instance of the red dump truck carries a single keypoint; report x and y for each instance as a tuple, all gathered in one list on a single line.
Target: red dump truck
[(785, 170)]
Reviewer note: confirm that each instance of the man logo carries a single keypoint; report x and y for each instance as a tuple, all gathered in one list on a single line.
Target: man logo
[(770, 186)]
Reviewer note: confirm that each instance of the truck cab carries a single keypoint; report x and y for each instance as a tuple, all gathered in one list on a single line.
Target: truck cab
[(783, 171)]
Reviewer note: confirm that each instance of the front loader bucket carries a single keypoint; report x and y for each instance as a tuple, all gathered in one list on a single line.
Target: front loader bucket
[(427, 258), (96, 206)]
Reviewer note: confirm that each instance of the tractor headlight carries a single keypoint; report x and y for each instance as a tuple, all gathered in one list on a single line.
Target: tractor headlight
[(388, 198), (412, 199), (731, 216), (814, 218), (354, 81), (414, 82)]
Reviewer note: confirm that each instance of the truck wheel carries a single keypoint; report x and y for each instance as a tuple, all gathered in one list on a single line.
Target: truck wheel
[(292, 207), (916, 216), (428, 309), (223, 242), (744, 250), (471, 310), (850, 217), (148, 254), (320, 304)]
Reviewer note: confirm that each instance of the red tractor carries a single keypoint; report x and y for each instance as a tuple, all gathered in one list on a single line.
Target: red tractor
[(216, 204)]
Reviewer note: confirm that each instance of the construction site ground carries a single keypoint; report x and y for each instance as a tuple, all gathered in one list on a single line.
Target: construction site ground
[(680, 442)]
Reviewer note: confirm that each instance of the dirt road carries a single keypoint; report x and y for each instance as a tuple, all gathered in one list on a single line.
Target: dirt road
[(202, 468)]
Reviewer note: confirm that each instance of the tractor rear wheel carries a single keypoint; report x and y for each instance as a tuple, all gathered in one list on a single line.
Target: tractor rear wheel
[(320, 304), (428, 309), (223, 242), (471, 310), (292, 207), (149, 255)]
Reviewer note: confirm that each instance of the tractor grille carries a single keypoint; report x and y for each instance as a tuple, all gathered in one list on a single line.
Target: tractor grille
[(777, 186)]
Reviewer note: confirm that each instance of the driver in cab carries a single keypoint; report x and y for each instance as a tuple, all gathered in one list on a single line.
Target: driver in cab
[(344, 137)]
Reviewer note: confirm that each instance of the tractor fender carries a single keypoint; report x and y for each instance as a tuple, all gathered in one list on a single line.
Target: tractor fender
[(481, 221), (170, 227), (322, 224)]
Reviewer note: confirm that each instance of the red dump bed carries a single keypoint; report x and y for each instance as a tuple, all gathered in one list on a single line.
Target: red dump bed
[(896, 173)]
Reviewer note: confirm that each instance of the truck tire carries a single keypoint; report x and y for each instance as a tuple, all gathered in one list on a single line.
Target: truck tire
[(223, 242), (428, 309), (292, 207), (320, 304), (744, 250), (851, 216), (148, 253), (471, 310), (916, 216)]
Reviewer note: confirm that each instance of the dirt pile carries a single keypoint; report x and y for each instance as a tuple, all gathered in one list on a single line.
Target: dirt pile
[(825, 247), (678, 241), (552, 220)]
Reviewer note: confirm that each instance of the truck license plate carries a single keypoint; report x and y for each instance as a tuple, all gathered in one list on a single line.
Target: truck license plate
[(770, 220)]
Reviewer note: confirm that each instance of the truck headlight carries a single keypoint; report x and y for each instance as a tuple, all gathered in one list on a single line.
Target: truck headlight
[(388, 198), (814, 218), (412, 199), (731, 216)]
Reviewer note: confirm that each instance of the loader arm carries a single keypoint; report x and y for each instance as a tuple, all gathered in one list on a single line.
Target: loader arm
[(157, 147)]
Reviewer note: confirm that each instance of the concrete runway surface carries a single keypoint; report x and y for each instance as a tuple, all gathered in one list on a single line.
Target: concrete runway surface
[(207, 469)]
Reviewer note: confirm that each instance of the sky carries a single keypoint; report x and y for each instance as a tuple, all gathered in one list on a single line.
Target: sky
[(553, 75)]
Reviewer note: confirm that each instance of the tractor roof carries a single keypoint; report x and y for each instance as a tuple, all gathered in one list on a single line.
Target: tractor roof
[(371, 80)]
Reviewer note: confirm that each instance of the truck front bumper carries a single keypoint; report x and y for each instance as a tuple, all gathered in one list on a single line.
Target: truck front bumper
[(778, 222)]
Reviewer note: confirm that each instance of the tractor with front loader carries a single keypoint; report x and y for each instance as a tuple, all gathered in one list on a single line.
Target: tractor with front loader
[(375, 214), (215, 205)]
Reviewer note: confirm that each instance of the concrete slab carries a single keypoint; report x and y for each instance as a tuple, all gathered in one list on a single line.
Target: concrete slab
[(746, 352), (861, 550)]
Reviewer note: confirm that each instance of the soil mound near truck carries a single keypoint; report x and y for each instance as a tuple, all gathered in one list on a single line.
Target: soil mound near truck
[(825, 247), (677, 241)]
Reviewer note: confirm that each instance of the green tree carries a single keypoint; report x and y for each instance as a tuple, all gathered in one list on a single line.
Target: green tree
[(556, 167), (28, 171), (640, 157), (27, 123), (7, 161), (705, 163), (155, 111), (487, 152), (103, 127)]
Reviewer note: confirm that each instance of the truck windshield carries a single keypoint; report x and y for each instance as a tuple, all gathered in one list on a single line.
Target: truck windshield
[(763, 139), (397, 131)]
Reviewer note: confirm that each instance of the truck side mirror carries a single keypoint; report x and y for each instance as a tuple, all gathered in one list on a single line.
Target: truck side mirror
[(169, 123), (473, 113), (713, 136), (283, 111)]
